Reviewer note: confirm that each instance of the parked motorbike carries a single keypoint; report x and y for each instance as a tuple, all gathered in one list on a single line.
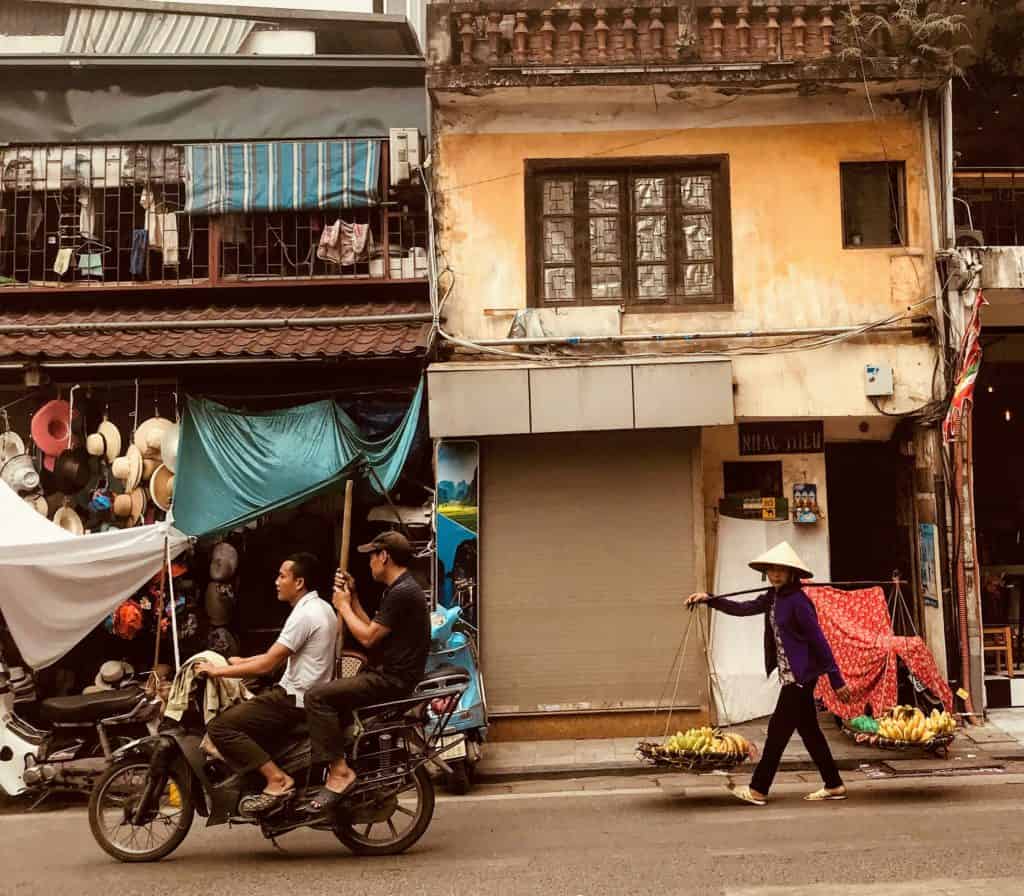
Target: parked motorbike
[(77, 743), (143, 806), (466, 730)]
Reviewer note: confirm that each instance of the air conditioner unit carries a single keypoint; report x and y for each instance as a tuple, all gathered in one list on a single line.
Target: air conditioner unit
[(966, 236), (405, 154)]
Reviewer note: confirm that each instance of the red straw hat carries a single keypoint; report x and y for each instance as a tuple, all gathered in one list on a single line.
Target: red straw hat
[(51, 427)]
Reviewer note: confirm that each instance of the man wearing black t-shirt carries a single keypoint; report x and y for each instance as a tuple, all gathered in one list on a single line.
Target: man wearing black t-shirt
[(398, 640)]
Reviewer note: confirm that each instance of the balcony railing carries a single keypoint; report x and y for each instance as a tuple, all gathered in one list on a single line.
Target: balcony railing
[(111, 217), (491, 34)]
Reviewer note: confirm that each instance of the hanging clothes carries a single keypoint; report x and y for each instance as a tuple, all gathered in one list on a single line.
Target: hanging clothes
[(87, 214), (344, 243), (140, 247), (162, 227)]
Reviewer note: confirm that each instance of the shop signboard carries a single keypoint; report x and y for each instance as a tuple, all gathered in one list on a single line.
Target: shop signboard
[(458, 521), (782, 437), (928, 557)]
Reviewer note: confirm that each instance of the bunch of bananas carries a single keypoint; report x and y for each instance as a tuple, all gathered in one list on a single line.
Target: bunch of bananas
[(702, 741), (910, 725)]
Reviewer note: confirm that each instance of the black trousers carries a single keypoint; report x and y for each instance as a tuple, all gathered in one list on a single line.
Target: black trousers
[(794, 712), (246, 733), (329, 708)]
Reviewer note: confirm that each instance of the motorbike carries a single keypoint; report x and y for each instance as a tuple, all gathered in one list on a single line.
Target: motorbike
[(80, 736), (144, 805), (466, 729)]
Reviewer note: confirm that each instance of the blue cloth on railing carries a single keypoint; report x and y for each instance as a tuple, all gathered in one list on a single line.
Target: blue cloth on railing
[(140, 246), (228, 178)]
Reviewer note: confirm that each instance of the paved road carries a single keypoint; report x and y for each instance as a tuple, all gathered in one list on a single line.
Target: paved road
[(957, 836)]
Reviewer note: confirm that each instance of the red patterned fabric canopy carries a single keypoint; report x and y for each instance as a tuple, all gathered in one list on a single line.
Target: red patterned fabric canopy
[(860, 633)]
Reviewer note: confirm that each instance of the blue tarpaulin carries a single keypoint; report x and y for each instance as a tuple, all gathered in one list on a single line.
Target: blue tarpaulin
[(233, 467), (230, 178)]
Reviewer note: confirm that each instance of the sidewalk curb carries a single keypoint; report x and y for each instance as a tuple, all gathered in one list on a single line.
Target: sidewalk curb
[(556, 772)]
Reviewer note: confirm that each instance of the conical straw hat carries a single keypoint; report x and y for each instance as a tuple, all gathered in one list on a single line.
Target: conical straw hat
[(782, 555)]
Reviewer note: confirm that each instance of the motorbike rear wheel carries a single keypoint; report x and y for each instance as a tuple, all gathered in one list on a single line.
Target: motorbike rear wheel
[(117, 791), (413, 809)]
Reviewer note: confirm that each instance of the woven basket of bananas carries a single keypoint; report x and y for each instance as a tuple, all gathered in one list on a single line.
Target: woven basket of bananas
[(698, 750), (905, 728)]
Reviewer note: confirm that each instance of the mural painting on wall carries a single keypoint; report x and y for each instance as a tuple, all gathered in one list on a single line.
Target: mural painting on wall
[(458, 518)]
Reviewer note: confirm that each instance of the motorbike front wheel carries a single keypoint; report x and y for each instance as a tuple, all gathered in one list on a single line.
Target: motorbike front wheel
[(112, 804), (393, 825)]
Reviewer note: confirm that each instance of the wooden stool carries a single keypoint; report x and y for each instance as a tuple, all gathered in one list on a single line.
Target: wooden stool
[(998, 641)]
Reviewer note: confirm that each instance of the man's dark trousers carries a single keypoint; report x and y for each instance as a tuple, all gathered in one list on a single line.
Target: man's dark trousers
[(329, 708)]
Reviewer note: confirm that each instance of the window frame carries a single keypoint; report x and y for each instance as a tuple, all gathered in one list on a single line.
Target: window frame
[(901, 208), (623, 169)]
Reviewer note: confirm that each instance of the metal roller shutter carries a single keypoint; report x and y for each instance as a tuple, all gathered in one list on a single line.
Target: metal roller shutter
[(587, 552)]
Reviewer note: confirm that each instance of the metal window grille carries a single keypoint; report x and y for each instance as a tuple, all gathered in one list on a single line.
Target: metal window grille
[(995, 197), (111, 217)]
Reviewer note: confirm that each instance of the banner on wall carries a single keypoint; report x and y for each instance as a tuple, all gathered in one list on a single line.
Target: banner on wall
[(928, 555), (458, 521)]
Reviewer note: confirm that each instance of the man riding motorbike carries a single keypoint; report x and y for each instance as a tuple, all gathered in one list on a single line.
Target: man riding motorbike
[(398, 639), (245, 733)]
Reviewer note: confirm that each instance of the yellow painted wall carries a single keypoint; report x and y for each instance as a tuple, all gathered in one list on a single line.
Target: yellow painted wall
[(790, 269)]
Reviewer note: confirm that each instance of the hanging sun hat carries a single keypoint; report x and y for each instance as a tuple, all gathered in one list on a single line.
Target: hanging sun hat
[(93, 689), (131, 506), (149, 466), (129, 468), (782, 555), (51, 427), (169, 447), (38, 503), (69, 520), (11, 445), (71, 471), (219, 602), (149, 436), (112, 673), (223, 562), (20, 474), (112, 436), (161, 488)]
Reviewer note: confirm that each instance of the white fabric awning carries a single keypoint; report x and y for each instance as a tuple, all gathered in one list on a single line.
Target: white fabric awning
[(55, 588)]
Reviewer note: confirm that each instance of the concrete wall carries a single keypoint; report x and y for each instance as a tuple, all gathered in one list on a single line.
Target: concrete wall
[(790, 267)]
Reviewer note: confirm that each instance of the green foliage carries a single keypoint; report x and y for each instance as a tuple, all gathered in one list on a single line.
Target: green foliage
[(932, 41)]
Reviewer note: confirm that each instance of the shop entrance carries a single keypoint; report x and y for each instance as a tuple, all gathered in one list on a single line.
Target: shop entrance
[(869, 498), (998, 430)]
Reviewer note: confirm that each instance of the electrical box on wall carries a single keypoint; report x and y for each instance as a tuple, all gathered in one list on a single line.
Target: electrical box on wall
[(878, 381), (404, 144)]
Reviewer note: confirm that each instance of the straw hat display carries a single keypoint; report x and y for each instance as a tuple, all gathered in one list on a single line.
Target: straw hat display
[(219, 603), (20, 473), (169, 447), (69, 520), (149, 436), (38, 503), (112, 674), (161, 488), (782, 555), (131, 507), (105, 442), (11, 445), (129, 468), (223, 562)]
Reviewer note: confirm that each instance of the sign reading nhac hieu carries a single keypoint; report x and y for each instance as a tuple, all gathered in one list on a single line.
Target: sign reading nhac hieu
[(782, 437)]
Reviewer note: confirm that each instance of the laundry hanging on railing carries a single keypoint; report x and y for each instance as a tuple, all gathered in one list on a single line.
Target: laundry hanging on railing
[(228, 178), (234, 467)]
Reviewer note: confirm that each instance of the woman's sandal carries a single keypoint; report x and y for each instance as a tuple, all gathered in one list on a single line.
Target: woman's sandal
[(326, 799), (823, 794), (745, 794)]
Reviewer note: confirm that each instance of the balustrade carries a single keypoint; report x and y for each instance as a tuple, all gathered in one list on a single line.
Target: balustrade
[(616, 33)]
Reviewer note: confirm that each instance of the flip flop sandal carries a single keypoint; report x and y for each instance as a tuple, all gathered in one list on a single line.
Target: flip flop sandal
[(262, 803), (743, 793), (327, 800), (822, 795)]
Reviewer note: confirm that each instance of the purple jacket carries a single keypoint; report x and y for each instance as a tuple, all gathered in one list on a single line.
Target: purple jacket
[(802, 638)]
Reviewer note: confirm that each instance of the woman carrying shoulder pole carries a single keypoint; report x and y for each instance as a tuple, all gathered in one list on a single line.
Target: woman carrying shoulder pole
[(795, 645)]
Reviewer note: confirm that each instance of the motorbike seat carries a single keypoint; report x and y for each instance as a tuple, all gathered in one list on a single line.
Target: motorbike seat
[(89, 707), (445, 674)]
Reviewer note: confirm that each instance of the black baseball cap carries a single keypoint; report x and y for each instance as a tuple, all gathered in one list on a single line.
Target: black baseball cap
[(395, 543)]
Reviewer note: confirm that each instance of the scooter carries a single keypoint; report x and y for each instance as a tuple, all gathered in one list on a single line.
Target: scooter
[(143, 806), (466, 730), (82, 734)]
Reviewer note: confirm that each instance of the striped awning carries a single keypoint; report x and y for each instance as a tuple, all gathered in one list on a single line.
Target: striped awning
[(228, 178)]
